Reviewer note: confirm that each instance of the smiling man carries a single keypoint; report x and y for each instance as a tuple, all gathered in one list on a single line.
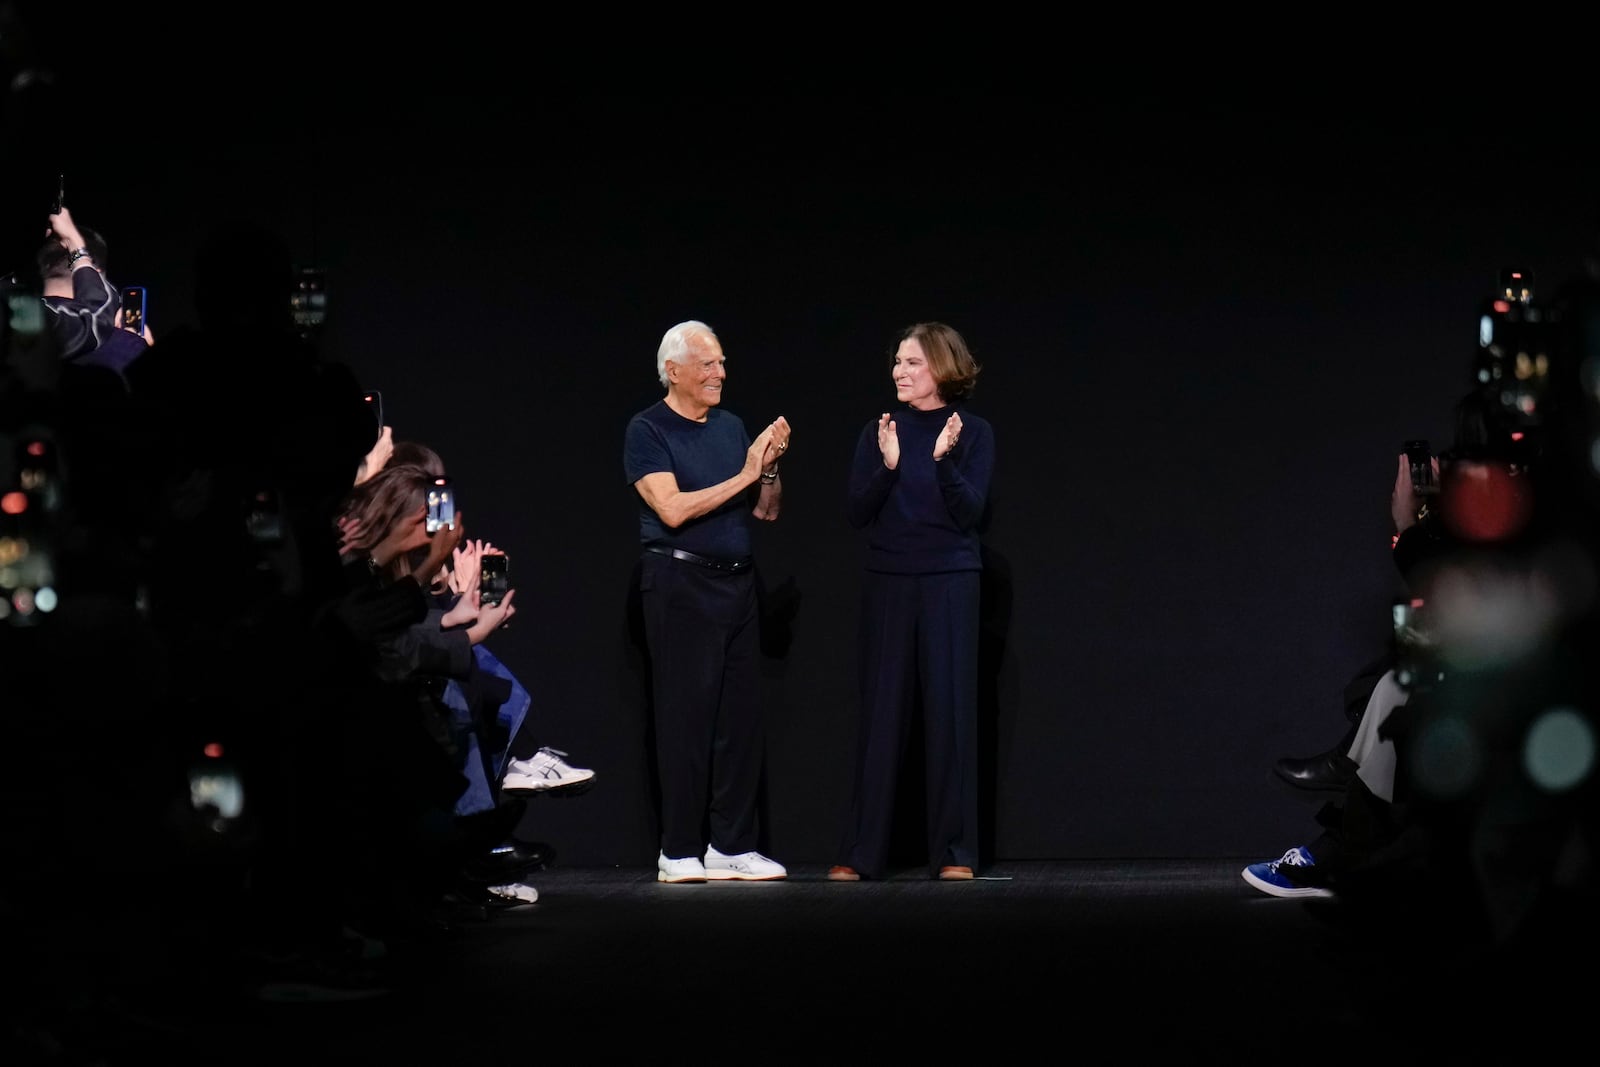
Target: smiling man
[(700, 478)]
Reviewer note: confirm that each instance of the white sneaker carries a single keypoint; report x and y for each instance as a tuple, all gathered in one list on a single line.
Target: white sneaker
[(543, 771), (745, 867), (517, 893), (688, 869)]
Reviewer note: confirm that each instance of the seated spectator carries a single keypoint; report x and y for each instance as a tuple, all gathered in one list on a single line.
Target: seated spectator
[(1480, 475), (469, 699), (1480, 433)]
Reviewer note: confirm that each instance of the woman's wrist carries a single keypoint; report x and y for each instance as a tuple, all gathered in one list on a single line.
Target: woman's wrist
[(770, 475)]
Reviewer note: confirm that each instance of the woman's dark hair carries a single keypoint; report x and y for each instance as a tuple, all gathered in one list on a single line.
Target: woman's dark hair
[(418, 455), (383, 501)]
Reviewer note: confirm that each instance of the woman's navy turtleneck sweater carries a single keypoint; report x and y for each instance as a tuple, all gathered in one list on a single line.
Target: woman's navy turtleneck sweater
[(922, 517)]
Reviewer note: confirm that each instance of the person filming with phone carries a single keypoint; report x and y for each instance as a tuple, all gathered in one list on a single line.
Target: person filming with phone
[(83, 309), (80, 303)]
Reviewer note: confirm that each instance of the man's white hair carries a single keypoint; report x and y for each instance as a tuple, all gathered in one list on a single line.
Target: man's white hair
[(675, 344)]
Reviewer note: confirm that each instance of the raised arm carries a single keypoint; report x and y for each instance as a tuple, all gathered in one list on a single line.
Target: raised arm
[(676, 507), (769, 502)]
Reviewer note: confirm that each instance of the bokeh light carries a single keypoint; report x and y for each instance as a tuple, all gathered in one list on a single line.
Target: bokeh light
[(1558, 752), (1484, 616), (1485, 502), (12, 549)]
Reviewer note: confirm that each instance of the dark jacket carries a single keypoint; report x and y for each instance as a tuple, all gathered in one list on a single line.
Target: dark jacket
[(82, 323)]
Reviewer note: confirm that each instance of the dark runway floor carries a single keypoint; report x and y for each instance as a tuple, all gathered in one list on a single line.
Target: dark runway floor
[(1113, 959)]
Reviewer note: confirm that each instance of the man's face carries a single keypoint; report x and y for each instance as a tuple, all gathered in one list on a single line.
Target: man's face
[(698, 382)]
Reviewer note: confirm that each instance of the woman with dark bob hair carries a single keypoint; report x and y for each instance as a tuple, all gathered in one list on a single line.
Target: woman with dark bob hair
[(919, 489)]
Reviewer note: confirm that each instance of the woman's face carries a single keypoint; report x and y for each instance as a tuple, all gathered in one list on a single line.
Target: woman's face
[(913, 378)]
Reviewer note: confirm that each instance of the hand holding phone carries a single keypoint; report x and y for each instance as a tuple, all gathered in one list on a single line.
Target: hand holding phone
[(494, 578)]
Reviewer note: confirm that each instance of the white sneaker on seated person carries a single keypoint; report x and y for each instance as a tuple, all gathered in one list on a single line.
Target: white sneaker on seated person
[(543, 772)]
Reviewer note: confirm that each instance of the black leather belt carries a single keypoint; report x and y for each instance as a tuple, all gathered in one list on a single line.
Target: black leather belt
[(734, 565)]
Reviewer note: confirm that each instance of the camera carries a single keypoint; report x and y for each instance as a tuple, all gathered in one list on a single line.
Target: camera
[(441, 505), (494, 580)]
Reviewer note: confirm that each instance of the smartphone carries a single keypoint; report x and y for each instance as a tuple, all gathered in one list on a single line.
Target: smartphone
[(494, 580), (61, 194), (264, 517), (1420, 457), (1410, 647), (308, 301), (374, 401), (135, 308), (1403, 614), (441, 504), (1517, 285)]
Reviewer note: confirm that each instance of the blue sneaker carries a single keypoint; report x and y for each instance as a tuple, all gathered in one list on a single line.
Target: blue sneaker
[(1270, 879)]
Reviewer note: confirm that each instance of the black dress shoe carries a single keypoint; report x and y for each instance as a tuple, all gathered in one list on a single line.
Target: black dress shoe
[(510, 862), (535, 855), (1330, 772)]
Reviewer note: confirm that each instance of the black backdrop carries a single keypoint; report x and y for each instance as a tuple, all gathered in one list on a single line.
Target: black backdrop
[(1206, 328)]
